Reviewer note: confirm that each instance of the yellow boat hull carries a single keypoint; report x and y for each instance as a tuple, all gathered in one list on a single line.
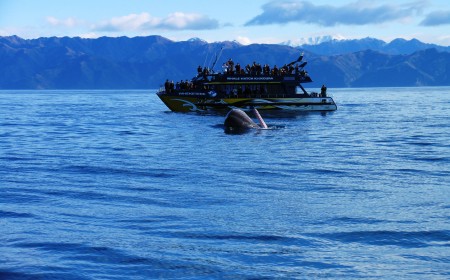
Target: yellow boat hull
[(195, 104)]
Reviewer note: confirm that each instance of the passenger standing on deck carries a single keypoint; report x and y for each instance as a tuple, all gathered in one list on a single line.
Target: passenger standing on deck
[(248, 69), (266, 69), (230, 66), (225, 68), (323, 91), (275, 70), (258, 69), (238, 68), (167, 86)]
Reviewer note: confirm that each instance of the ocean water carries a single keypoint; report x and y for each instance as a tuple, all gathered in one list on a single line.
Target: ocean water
[(111, 185)]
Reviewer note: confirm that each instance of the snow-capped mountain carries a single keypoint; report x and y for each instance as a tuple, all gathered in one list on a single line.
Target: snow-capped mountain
[(313, 40)]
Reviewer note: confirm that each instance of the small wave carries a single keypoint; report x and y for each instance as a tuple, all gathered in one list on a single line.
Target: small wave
[(246, 237), (151, 172), (79, 251), (421, 143), (17, 158), (152, 219), (332, 188), (13, 275), (349, 220), (406, 170), (401, 172), (107, 197), (432, 159), (151, 223), (127, 132), (324, 171), (434, 259), (7, 214), (236, 237), (406, 239), (119, 262), (20, 198)]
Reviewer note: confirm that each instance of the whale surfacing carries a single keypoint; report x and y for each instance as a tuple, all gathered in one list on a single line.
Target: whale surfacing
[(238, 121)]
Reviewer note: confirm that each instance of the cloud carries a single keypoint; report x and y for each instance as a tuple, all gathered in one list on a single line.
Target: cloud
[(128, 22), (188, 21), (357, 13), (437, 18), (144, 21), (68, 22)]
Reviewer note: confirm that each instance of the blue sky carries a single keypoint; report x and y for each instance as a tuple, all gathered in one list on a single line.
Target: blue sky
[(244, 21)]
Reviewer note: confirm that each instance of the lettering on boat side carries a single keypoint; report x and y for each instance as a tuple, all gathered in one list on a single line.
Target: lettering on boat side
[(249, 78), (192, 93)]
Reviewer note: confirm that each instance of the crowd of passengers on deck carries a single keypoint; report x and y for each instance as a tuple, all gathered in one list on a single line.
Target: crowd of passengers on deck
[(169, 86), (254, 69)]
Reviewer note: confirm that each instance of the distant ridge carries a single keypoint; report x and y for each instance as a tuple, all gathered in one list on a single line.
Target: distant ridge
[(333, 45), (146, 62)]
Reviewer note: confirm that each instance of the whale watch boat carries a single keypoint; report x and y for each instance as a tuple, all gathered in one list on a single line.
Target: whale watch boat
[(252, 86)]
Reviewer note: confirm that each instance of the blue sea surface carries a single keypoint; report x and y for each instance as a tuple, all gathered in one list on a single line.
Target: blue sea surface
[(112, 185)]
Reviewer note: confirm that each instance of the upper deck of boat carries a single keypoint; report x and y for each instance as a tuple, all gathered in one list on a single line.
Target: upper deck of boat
[(249, 78)]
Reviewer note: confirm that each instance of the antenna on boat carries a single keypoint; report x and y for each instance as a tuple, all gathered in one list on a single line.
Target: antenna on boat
[(206, 58), (217, 57)]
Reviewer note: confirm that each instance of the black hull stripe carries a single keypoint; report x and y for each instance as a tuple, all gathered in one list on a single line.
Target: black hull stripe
[(262, 104)]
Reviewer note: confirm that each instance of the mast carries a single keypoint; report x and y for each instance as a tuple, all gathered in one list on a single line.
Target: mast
[(215, 61)]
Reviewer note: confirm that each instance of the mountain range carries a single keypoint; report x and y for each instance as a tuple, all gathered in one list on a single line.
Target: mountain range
[(146, 62)]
